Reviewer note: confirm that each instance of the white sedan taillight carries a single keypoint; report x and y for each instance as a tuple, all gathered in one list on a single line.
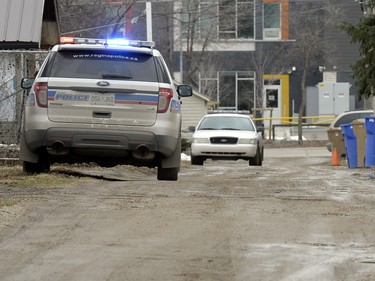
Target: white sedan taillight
[(41, 93), (165, 96)]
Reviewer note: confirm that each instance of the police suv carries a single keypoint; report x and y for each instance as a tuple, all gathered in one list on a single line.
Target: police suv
[(104, 101)]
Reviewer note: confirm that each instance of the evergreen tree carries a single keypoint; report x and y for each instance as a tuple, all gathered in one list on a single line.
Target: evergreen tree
[(363, 33)]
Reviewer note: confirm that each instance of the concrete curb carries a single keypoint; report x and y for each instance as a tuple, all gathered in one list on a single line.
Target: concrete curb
[(297, 152)]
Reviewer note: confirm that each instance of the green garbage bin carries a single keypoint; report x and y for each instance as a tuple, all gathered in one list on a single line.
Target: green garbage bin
[(359, 130)]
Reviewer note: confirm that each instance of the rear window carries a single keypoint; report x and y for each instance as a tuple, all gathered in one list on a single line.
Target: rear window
[(101, 64), (162, 72)]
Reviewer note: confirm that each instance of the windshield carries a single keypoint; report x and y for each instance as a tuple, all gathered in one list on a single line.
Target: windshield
[(226, 123), (101, 64)]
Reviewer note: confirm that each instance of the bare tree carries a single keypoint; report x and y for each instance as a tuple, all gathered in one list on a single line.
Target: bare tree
[(198, 24), (266, 60), (195, 25), (98, 18), (203, 25), (209, 84), (308, 24)]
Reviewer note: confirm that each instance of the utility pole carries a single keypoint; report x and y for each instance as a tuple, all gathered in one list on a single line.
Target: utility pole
[(149, 20), (181, 53)]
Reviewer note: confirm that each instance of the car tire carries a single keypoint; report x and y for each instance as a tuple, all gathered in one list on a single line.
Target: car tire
[(172, 165), (196, 160), (168, 174), (260, 158), (257, 159), (42, 166)]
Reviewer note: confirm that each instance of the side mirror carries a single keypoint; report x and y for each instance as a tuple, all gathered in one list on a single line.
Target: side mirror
[(27, 83), (191, 128), (184, 90), (260, 129)]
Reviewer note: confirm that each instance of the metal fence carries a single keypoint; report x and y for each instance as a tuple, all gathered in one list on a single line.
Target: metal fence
[(14, 65)]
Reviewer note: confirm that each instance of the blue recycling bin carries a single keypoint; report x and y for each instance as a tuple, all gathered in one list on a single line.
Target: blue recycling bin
[(350, 145), (370, 141)]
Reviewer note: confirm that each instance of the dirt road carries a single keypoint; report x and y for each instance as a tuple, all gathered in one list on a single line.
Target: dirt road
[(291, 219)]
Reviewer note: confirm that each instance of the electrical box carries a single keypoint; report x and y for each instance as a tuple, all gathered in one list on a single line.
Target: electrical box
[(333, 98)]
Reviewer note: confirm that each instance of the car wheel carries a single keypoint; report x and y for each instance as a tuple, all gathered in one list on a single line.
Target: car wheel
[(257, 159), (260, 160), (167, 174), (42, 166), (196, 160)]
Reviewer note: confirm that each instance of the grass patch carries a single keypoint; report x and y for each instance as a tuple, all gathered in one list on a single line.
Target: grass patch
[(15, 177), (8, 202)]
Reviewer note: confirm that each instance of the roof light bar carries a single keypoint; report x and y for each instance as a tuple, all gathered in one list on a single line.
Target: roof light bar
[(109, 42), (76, 40), (66, 40)]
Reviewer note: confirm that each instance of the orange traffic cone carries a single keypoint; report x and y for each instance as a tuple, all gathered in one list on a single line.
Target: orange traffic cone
[(335, 157)]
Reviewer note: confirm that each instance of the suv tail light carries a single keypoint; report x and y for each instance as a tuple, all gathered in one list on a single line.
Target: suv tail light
[(41, 93), (165, 96)]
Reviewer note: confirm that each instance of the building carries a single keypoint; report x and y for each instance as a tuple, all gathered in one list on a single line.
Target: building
[(246, 61), (241, 54)]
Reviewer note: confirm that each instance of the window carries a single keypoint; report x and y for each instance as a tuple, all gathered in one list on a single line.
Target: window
[(227, 20), (245, 21), (209, 87), (227, 90), (272, 98), (219, 19), (161, 71), (272, 82), (199, 19), (207, 21), (245, 90), (113, 65), (236, 20), (231, 90), (272, 21)]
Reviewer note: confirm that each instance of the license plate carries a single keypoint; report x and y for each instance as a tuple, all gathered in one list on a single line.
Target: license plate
[(102, 99)]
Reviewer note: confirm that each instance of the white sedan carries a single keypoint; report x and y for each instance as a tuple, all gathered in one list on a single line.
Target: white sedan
[(227, 136)]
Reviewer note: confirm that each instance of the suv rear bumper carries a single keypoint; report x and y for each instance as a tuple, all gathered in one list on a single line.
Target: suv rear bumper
[(100, 139)]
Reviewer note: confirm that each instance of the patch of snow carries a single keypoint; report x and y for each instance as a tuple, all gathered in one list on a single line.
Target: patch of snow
[(295, 138), (185, 157)]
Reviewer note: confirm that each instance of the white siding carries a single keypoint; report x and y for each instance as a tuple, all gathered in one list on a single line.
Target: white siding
[(21, 20), (193, 109)]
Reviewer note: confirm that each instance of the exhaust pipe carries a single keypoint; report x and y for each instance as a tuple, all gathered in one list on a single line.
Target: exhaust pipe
[(143, 153), (58, 148)]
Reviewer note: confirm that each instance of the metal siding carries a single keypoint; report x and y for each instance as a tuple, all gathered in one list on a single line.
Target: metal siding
[(14, 18), (21, 20), (4, 13)]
